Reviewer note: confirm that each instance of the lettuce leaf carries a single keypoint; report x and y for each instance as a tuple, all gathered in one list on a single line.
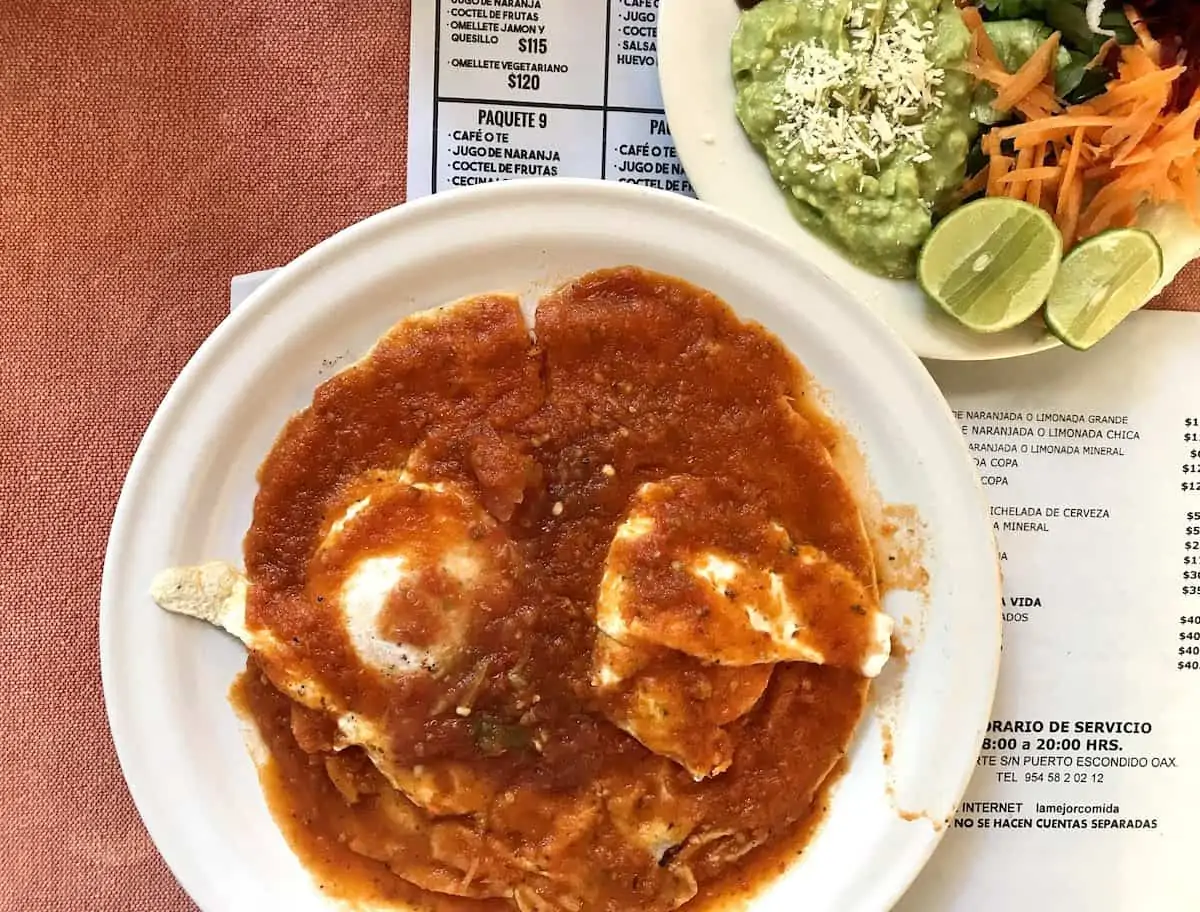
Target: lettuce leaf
[(1068, 17), (1015, 41)]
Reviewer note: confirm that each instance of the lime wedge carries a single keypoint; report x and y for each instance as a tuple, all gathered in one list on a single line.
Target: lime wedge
[(1100, 283), (990, 263)]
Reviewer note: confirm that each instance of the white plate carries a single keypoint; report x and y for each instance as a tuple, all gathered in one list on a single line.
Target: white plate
[(189, 491), (727, 171)]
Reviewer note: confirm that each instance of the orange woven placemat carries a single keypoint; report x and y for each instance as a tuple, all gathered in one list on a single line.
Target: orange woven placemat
[(149, 150)]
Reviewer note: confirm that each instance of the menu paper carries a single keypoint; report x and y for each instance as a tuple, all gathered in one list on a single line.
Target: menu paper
[(503, 89), (1086, 795)]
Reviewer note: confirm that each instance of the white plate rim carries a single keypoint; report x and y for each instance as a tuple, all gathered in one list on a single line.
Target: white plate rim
[(259, 305), (725, 170)]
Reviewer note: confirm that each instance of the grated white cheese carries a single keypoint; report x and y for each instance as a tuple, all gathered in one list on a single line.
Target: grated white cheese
[(861, 104)]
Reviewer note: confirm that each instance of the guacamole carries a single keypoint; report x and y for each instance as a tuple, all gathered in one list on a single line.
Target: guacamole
[(862, 115)]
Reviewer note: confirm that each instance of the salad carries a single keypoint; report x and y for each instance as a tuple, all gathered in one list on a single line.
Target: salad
[(1014, 156), (1084, 111)]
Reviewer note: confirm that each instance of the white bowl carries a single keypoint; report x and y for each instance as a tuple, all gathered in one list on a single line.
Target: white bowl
[(727, 171), (189, 492)]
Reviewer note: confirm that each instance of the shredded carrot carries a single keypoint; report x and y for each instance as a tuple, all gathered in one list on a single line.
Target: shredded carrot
[(998, 166), (1102, 54), (1046, 172), (1016, 188), (1189, 185), (1130, 133), (1076, 147), (1040, 130), (1070, 191), (1040, 102), (1138, 88), (990, 144), (975, 183), (1036, 177), (1032, 73), (1100, 211), (1044, 95), (1182, 126), (1048, 200), (1143, 34), (1068, 219), (1143, 154), (1163, 191), (1140, 178), (1125, 217), (1090, 165), (993, 73), (1136, 61), (1176, 150), (982, 45), (1028, 109)]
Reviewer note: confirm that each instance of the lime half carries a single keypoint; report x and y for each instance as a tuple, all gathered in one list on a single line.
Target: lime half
[(990, 263), (1100, 283)]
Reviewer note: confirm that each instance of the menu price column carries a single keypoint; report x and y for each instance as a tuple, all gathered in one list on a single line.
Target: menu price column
[(538, 88), (1189, 622), (518, 90)]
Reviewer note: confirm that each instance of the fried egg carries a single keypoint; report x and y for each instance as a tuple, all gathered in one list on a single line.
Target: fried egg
[(675, 705), (402, 567), (688, 631), (721, 608)]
